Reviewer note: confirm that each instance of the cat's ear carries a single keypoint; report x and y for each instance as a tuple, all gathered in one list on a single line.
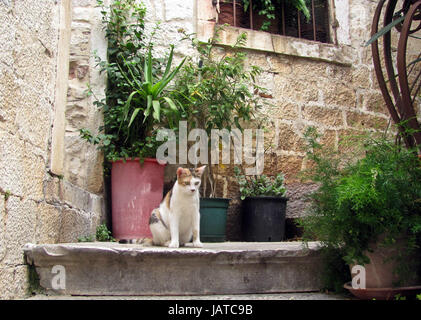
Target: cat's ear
[(199, 171), (180, 171)]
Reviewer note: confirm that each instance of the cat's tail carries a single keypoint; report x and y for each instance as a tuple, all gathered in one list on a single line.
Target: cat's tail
[(147, 242)]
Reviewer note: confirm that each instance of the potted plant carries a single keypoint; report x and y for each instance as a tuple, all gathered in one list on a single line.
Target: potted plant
[(137, 103), (368, 208), (219, 93), (263, 206)]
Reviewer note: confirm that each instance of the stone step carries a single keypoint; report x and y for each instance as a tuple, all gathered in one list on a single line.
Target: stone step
[(106, 268)]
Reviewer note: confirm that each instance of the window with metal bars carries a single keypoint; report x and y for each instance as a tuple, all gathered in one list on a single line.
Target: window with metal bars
[(288, 20)]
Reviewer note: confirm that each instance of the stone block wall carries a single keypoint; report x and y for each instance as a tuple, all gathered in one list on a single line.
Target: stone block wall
[(82, 162), (37, 205)]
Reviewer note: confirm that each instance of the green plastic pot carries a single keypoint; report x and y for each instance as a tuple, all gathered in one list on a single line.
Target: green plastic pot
[(213, 219)]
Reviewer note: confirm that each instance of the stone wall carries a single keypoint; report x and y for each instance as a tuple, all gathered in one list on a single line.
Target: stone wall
[(82, 162), (37, 205)]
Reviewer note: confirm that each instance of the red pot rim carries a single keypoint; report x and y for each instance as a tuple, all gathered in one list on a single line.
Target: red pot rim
[(152, 160)]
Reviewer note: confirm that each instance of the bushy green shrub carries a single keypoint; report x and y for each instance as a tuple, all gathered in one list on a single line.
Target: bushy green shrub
[(359, 200)]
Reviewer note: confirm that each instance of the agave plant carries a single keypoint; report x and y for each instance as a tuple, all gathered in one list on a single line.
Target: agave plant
[(137, 98), (149, 91)]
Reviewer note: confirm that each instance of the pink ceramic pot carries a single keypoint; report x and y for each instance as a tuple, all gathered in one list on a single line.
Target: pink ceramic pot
[(135, 190)]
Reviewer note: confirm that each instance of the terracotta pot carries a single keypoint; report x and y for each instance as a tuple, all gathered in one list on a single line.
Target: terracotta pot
[(135, 191), (383, 293), (380, 270)]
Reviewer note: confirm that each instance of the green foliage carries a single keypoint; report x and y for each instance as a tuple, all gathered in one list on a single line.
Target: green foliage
[(34, 286), (335, 271), (149, 91), (7, 195), (102, 234), (359, 200), (267, 8), (400, 297), (219, 92), (260, 185), (135, 104), (89, 238)]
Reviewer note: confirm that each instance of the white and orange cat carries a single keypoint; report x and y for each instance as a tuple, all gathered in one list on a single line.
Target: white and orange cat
[(177, 220)]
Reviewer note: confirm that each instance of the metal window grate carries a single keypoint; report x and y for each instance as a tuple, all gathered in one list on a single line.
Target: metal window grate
[(288, 20)]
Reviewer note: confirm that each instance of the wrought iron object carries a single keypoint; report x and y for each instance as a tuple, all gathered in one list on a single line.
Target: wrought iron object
[(404, 86)]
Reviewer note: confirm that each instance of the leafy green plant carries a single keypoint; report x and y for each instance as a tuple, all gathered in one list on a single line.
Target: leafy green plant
[(137, 98), (89, 238), (400, 297), (267, 8), (103, 234), (359, 200), (260, 185), (149, 91), (219, 92)]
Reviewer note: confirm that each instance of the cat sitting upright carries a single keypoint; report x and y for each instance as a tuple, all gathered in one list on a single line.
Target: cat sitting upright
[(177, 220)]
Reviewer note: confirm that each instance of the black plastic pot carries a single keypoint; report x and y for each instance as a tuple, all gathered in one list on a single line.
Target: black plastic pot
[(263, 218)]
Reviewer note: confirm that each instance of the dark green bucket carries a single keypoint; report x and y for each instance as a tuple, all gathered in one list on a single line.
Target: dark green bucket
[(213, 219)]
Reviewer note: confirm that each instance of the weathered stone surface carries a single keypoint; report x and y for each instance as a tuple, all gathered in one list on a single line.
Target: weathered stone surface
[(361, 77), (290, 166), (339, 94), (32, 201), (74, 224), (323, 115), (13, 281), (365, 121), (48, 223), (22, 169), (283, 110), (294, 89), (296, 193), (3, 218), (19, 223), (218, 268), (289, 138), (373, 101)]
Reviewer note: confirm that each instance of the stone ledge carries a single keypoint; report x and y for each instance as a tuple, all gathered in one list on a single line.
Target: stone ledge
[(218, 268), (266, 42)]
